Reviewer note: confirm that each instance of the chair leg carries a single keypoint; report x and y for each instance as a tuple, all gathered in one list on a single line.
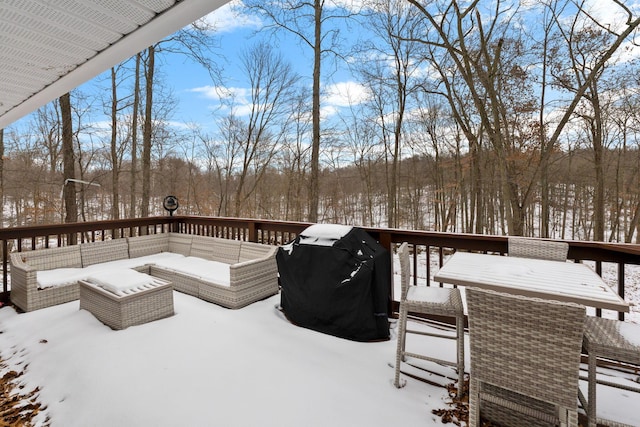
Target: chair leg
[(572, 418), (402, 328), (591, 400), (474, 403), (567, 417), (460, 342)]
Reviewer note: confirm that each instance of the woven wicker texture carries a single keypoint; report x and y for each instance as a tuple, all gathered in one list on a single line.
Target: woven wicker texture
[(181, 282), (148, 245), (119, 312), (250, 251), (48, 259), (427, 300), (525, 347), (541, 249), (108, 250), (180, 243), (201, 247), (225, 250), (251, 280), (237, 296), (24, 280), (613, 340)]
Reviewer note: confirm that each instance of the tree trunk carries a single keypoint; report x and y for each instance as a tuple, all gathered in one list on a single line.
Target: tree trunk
[(314, 184), (598, 158), (134, 139), (544, 201), (146, 136), (68, 160), (115, 170)]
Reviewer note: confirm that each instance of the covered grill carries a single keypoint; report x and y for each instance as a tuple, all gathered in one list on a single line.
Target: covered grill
[(335, 279)]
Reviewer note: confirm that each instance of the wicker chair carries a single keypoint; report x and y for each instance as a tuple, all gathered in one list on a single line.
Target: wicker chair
[(525, 359), (428, 300), (542, 249), (613, 340)]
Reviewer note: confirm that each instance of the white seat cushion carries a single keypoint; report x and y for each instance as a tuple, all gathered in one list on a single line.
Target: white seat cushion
[(209, 271), (59, 277), (120, 281)]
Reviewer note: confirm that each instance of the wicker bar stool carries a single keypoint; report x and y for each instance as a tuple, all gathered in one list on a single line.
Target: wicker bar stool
[(613, 340), (428, 300)]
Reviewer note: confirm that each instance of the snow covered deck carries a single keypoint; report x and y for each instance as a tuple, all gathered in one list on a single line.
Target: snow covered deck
[(208, 365)]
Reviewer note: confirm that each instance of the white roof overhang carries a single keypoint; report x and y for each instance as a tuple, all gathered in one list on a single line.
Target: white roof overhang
[(49, 47)]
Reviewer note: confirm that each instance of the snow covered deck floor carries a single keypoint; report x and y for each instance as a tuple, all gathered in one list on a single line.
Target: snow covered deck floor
[(208, 365)]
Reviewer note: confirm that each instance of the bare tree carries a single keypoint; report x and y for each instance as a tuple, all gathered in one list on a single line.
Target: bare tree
[(256, 137), (116, 147), (149, 71), (361, 135), (134, 138), (476, 46), (197, 43), (394, 76), (311, 23), (293, 158), (71, 208), (430, 139)]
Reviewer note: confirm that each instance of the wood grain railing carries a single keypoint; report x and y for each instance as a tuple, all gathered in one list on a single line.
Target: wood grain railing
[(433, 246)]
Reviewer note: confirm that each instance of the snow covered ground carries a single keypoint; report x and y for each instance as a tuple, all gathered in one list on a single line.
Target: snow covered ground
[(208, 365)]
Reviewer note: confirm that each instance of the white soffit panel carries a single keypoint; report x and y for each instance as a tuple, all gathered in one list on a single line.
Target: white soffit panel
[(49, 47)]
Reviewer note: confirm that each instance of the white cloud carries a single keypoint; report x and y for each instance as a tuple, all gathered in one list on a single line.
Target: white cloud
[(614, 17), (218, 93), (607, 14), (229, 18), (353, 5), (327, 111), (335, 96), (238, 98), (344, 94)]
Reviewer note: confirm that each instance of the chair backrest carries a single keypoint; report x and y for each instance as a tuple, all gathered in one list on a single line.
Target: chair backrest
[(542, 249), (405, 269), (527, 345)]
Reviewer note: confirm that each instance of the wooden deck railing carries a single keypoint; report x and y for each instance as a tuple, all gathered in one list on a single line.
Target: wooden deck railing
[(429, 244)]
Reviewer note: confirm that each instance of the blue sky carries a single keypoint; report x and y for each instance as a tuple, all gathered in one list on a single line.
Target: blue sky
[(193, 87), (191, 84)]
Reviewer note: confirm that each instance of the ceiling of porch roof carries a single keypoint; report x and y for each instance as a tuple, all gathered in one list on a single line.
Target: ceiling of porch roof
[(49, 47)]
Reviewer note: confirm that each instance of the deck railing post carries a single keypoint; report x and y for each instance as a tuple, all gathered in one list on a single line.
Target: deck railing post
[(253, 231), (5, 281), (621, 286)]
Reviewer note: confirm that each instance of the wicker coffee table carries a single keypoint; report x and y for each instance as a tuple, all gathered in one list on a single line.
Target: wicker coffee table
[(121, 308)]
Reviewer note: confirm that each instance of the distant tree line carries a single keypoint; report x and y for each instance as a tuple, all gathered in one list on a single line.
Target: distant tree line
[(520, 119)]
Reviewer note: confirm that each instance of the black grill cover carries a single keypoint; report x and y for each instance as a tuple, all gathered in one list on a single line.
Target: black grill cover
[(340, 287)]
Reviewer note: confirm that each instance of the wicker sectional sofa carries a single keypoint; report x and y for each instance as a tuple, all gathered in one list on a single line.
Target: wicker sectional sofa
[(227, 272)]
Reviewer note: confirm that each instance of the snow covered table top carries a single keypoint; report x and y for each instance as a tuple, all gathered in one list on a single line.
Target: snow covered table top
[(561, 281)]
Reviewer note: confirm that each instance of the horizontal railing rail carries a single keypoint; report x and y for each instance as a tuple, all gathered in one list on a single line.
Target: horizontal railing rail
[(433, 246)]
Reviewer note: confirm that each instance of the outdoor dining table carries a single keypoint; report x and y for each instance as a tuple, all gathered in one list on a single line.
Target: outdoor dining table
[(560, 281)]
